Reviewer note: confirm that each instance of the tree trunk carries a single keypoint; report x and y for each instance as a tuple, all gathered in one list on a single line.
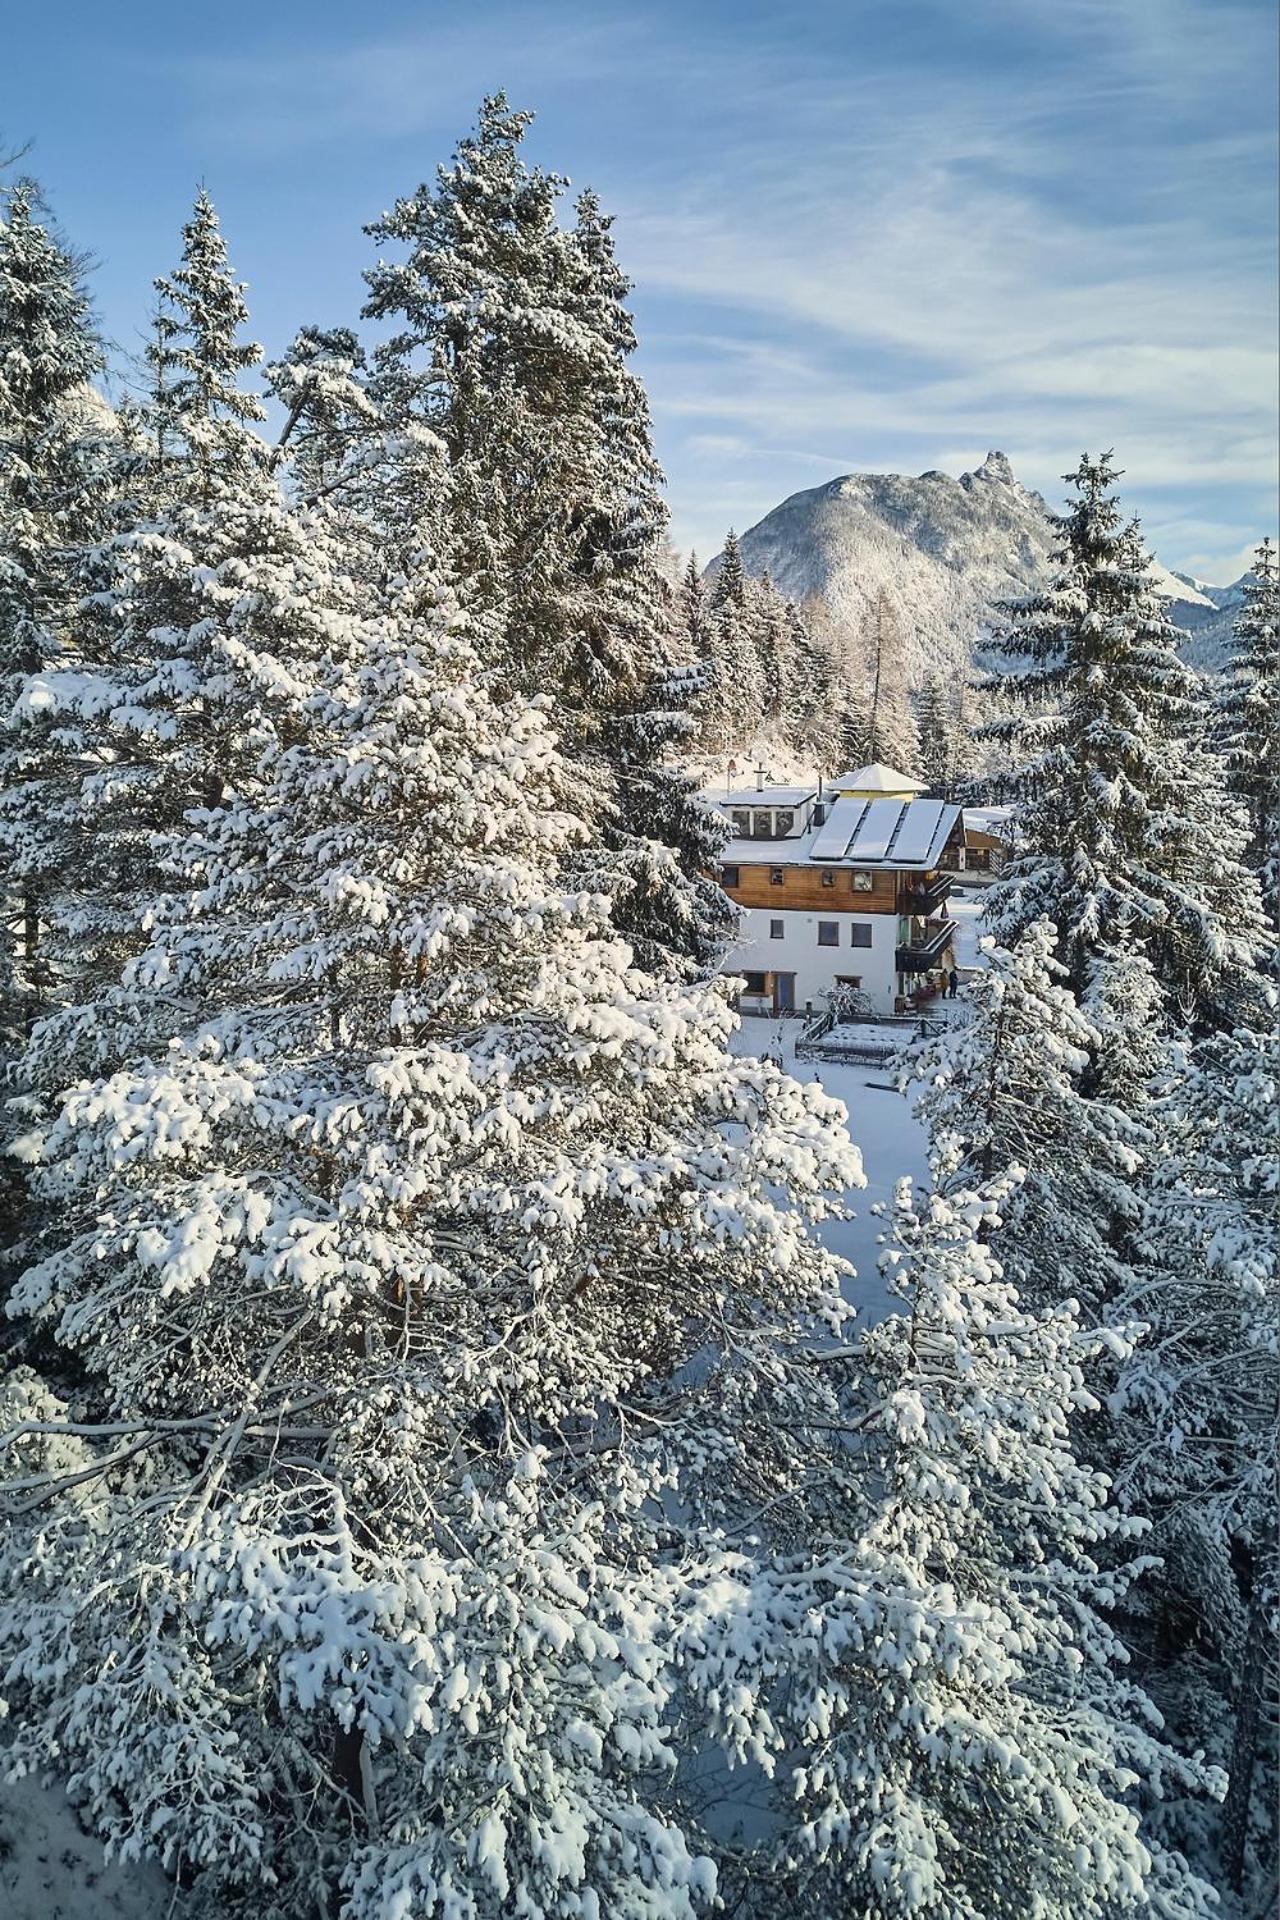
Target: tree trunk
[(1244, 1744), (353, 1773)]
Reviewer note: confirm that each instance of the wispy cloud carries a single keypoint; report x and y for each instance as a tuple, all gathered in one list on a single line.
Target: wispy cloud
[(864, 232)]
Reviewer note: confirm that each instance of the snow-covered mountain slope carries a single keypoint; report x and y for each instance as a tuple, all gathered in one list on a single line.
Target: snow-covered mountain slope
[(947, 551)]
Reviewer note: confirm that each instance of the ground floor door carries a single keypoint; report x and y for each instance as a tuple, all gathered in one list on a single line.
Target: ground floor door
[(784, 993)]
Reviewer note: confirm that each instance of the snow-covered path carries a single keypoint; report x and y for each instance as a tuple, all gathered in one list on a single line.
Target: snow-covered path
[(891, 1140), (51, 1870)]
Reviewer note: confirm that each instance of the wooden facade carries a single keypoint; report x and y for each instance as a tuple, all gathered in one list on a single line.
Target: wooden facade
[(802, 889)]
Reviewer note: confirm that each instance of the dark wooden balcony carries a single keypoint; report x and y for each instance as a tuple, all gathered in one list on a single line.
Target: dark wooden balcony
[(925, 951), (922, 898)]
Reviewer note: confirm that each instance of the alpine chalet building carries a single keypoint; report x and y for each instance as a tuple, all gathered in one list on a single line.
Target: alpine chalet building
[(839, 885)]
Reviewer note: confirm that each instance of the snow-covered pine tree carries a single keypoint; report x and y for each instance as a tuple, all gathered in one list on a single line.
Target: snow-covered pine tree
[(1123, 816), (200, 411), (950, 1720), (1199, 1434), (1010, 1087), (322, 383), (1248, 723), (385, 1268)]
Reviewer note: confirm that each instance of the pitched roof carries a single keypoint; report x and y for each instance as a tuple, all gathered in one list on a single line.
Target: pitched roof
[(878, 778)]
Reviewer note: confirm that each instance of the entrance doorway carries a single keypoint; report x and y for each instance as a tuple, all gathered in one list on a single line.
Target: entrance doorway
[(784, 993)]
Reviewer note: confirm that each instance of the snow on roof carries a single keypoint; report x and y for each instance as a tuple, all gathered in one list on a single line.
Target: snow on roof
[(764, 796), (891, 832), (878, 778), (992, 820)]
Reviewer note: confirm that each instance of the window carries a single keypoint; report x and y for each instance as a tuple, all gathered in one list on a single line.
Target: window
[(828, 878), (782, 824), (776, 878), (863, 882), (851, 980), (776, 930), (756, 982), (741, 823), (828, 933), (860, 933), (729, 877)]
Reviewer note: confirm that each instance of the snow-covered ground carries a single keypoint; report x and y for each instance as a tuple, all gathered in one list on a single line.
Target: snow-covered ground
[(964, 909), (883, 1127), (51, 1870)]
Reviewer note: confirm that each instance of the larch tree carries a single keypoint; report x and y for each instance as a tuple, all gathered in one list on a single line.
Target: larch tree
[(422, 1262), (1123, 815), (950, 1725), (891, 737), (1247, 729)]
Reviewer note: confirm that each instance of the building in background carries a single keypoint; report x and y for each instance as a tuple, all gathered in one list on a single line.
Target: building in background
[(987, 838), (841, 885)]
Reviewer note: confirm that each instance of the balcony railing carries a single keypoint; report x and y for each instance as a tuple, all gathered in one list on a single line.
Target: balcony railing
[(924, 898), (918, 955)]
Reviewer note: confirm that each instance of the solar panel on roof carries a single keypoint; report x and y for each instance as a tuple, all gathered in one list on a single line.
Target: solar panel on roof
[(918, 828), (871, 841), (837, 830)]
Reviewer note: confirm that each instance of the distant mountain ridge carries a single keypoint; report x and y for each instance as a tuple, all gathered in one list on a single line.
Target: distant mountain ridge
[(947, 551)]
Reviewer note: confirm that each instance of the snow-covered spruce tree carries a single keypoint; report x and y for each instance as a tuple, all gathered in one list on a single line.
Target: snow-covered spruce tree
[(384, 1271), (1007, 1088), (53, 480), (943, 742), (55, 464), (733, 685), (810, 723), (661, 843), (199, 409), (770, 638), (512, 344), (950, 1718), (1247, 727), (152, 708), (1199, 1434), (1123, 816)]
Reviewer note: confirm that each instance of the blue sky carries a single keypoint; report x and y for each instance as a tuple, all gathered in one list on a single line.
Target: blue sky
[(865, 233)]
